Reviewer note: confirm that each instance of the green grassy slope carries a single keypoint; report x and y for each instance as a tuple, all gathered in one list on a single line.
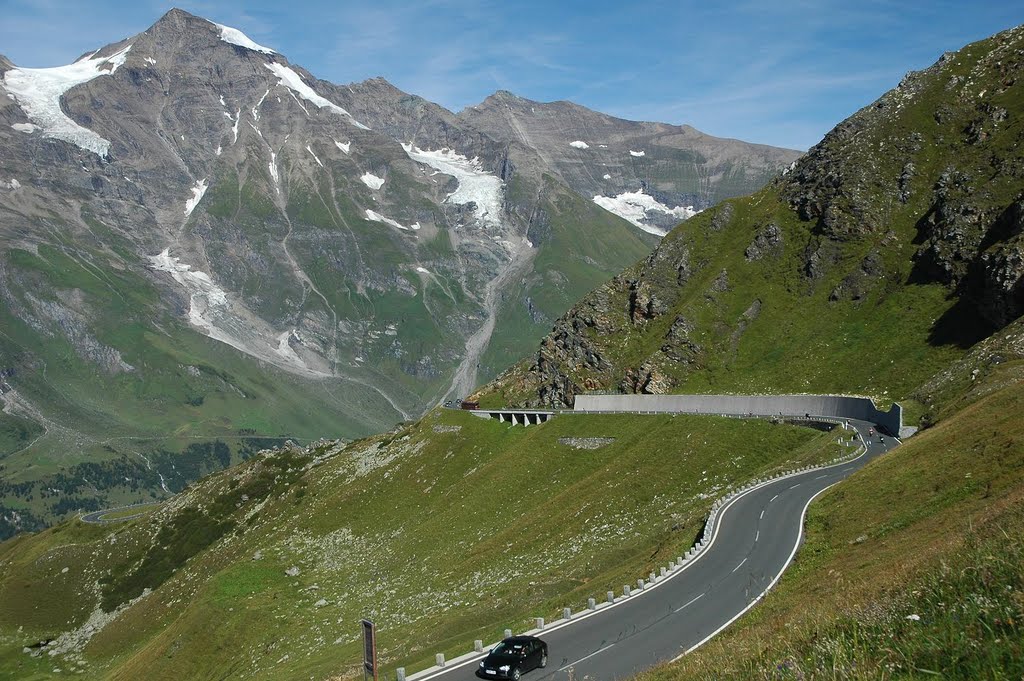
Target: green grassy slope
[(92, 422), (419, 529), (262, 571), (932, 530)]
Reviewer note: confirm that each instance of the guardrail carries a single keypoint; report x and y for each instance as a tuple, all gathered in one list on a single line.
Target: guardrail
[(664, 572), (836, 406)]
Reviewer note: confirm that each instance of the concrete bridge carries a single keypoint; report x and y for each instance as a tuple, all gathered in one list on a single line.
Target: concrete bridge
[(525, 417)]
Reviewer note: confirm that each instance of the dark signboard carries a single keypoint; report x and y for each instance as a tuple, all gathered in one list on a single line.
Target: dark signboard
[(369, 650)]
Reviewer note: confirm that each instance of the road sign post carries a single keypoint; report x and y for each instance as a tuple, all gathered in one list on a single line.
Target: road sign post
[(369, 650)]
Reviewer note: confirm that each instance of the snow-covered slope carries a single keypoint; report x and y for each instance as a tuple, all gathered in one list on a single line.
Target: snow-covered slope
[(39, 92)]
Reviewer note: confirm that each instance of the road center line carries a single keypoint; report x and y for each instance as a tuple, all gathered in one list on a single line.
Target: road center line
[(757, 536), (600, 650), (740, 565), (684, 606), (773, 498), (795, 486), (821, 476), (762, 514)]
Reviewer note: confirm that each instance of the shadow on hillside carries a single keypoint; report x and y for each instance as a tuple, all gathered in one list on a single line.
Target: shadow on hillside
[(961, 325)]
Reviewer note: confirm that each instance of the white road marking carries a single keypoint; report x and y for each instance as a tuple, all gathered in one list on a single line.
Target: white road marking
[(820, 477), (762, 514), (773, 498), (799, 537), (587, 657), (740, 565), (757, 536), (688, 604), (795, 486)]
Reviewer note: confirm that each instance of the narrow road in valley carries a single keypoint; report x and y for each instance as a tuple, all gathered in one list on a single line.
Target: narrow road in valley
[(756, 536), (97, 517)]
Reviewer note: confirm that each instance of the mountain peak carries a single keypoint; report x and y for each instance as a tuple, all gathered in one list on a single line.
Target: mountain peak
[(176, 18), (179, 21)]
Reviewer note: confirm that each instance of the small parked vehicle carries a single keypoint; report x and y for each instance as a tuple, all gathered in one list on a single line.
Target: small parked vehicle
[(513, 657)]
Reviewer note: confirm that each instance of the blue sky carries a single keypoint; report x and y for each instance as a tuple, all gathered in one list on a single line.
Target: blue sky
[(779, 73)]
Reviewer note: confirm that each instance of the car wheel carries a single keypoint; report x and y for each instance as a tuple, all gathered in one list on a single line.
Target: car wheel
[(516, 674), (543, 660)]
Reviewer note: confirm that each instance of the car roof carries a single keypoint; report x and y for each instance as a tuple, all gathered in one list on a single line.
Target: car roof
[(520, 639)]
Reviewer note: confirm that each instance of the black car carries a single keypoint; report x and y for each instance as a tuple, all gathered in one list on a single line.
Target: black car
[(513, 657)]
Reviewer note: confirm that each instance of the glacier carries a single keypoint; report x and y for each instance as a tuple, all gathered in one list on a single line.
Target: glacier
[(236, 37), (476, 185), (38, 92), (633, 206)]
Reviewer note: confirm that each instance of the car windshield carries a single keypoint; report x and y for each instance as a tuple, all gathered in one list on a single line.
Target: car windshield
[(516, 648)]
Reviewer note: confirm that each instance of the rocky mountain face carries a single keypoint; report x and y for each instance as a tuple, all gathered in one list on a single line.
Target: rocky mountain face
[(898, 237), (206, 249), (653, 174)]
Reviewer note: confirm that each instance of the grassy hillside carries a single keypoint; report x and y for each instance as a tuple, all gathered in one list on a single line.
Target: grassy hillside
[(164, 400), (421, 530), (925, 546), (881, 264)]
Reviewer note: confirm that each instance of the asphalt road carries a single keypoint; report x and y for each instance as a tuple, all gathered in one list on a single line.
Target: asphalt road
[(756, 537), (96, 517)]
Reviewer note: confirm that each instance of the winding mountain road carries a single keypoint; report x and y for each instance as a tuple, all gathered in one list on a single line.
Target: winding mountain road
[(755, 538)]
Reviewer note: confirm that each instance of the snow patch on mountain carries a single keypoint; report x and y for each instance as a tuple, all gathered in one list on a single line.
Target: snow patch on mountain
[(372, 181), (638, 154), (579, 144), (256, 109), (234, 120), (197, 195), (38, 92), (423, 270), (606, 176), (284, 347), (273, 171), (293, 81), (236, 37), (315, 157), (205, 295), (634, 206), (344, 146), (377, 217), (25, 127), (299, 102), (214, 314), (476, 185)]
